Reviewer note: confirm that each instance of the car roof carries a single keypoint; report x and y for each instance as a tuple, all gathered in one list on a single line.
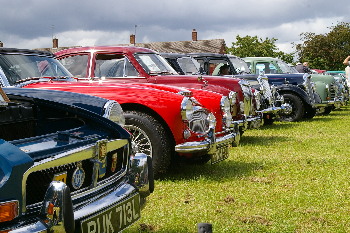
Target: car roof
[(120, 49)]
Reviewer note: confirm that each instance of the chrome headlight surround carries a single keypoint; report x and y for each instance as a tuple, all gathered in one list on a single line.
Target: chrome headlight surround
[(225, 106), (232, 96), (211, 121), (257, 99), (241, 107), (114, 112), (198, 119), (187, 109)]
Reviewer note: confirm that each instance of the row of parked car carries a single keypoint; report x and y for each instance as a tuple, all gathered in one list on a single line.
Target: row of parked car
[(85, 131)]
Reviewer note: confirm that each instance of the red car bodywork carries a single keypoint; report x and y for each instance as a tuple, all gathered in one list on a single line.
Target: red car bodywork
[(245, 107), (160, 109)]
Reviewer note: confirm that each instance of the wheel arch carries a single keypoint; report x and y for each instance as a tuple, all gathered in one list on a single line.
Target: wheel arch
[(151, 112), (295, 91)]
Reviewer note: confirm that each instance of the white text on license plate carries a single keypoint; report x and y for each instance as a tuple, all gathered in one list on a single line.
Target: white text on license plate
[(115, 218), (222, 152)]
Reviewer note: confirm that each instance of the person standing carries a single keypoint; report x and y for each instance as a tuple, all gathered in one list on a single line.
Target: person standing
[(303, 68), (347, 69)]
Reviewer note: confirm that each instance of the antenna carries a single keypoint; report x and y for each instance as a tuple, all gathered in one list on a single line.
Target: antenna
[(135, 33), (52, 29)]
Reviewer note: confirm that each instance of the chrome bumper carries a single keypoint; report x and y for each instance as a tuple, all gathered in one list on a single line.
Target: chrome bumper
[(118, 195), (208, 145), (250, 122), (67, 220)]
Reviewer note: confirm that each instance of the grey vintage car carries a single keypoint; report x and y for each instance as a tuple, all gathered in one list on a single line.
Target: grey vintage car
[(268, 101), (66, 168)]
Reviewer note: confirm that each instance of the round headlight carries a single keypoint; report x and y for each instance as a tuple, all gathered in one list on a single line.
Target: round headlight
[(257, 99), (241, 106), (226, 110), (187, 109), (232, 97), (211, 121), (114, 112)]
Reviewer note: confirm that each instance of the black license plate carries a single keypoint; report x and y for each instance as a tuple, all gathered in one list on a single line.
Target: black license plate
[(222, 152), (115, 218)]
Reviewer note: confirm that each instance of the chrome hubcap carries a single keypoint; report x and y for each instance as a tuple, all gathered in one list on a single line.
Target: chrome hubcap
[(139, 140)]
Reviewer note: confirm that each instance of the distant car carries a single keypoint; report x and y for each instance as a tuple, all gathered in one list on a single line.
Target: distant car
[(129, 64), (269, 102), (64, 167), (320, 89), (166, 122)]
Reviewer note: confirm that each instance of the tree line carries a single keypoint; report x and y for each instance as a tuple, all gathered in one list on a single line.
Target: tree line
[(322, 51)]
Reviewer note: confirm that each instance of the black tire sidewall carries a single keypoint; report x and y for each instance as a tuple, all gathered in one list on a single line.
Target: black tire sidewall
[(298, 108), (161, 146)]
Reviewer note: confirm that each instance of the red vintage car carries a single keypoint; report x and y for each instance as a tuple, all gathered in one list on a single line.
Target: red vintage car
[(165, 120), (118, 64)]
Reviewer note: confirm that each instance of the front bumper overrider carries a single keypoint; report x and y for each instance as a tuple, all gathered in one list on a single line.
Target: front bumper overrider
[(59, 215), (208, 145)]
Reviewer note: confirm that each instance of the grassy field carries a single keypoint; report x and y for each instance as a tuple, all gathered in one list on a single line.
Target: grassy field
[(288, 177)]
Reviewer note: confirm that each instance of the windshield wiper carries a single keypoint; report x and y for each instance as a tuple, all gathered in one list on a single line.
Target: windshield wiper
[(159, 72), (27, 79)]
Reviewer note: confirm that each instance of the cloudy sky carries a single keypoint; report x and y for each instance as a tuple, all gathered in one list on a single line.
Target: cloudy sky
[(33, 23)]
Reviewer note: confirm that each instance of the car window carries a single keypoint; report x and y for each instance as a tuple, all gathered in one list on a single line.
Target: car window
[(267, 67), (189, 65), (114, 65), (154, 64), (19, 67), (76, 65)]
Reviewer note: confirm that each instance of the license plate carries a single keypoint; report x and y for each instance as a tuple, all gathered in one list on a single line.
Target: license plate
[(115, 218), (222, 152)]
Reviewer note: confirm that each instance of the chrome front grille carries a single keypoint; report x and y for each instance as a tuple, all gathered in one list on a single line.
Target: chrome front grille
[(199, 122), (265, 87), (247, 95), (96, 173), (309, 87)]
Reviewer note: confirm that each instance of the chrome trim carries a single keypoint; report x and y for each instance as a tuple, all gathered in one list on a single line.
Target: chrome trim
[(205, 145), (62, 218), (118, 195), (114, 112), (75, 155), (186, 105), (140, 169)]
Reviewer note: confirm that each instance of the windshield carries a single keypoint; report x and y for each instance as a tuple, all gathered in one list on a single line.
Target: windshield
[(189, 65), (240, 65), (154, 63), (18, 67), (285, 68)]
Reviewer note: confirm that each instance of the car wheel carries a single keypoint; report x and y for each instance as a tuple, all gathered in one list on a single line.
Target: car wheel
[(310, 113), (149, 137), (297, 106), (268, 119), (327, 110), (199, 160)]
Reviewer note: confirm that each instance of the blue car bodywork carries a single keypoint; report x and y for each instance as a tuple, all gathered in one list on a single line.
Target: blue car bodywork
[(63, 166)]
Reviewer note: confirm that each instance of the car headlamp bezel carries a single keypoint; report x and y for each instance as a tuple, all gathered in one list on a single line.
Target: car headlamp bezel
[(225, 106), (257, 99), (114, 112), (187, 109)]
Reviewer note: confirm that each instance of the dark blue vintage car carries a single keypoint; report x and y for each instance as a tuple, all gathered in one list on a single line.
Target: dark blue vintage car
[(66, 168)]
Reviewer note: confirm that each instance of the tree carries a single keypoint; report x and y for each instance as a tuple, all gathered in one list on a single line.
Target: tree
[(325, 51), (249, 46)]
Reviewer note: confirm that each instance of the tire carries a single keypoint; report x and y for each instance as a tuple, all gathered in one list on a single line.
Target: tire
[(327, 110), (150, 137), (297, 105), (268, 120), (199, 160), (310, 113)]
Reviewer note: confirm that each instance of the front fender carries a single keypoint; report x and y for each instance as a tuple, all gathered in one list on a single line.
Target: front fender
[(322, 90), (284, 88)]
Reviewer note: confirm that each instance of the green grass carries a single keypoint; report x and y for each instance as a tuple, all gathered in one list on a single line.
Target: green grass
[(287, 177)]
